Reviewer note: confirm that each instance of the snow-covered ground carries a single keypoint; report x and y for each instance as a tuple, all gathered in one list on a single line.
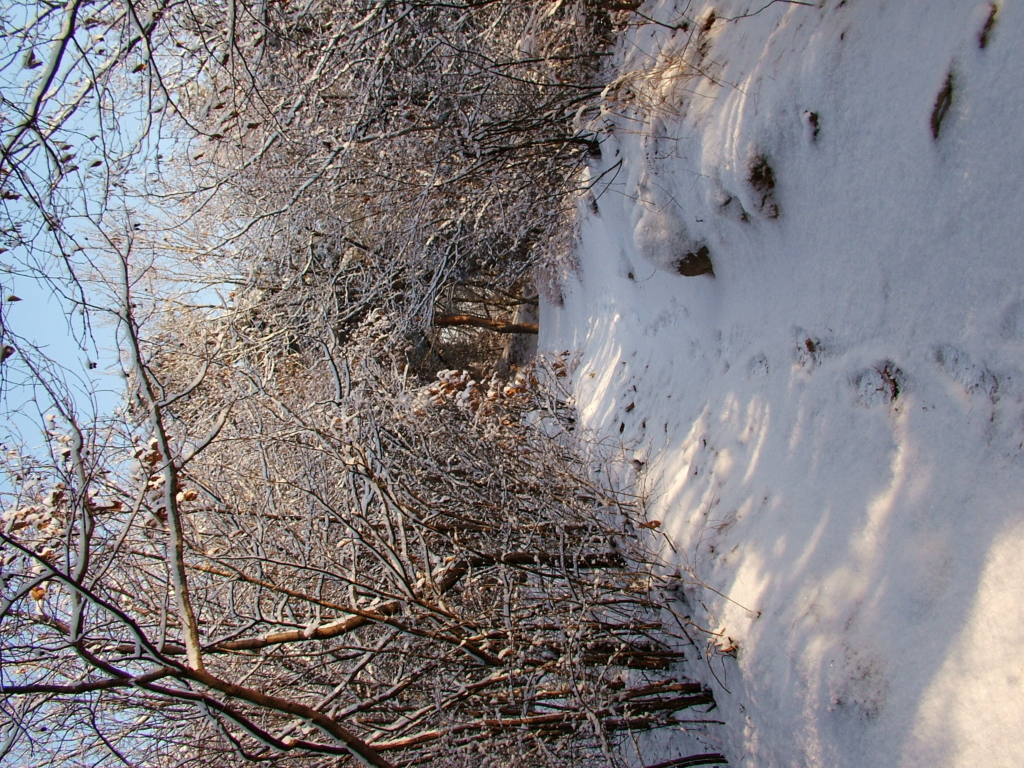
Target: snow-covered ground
[(832, 426)]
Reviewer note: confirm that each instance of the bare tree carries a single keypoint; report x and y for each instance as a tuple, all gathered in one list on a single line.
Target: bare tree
[(325, 561), (285, 547)]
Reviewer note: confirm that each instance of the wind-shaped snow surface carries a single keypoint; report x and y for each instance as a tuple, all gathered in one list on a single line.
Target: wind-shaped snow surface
[(831, 425)]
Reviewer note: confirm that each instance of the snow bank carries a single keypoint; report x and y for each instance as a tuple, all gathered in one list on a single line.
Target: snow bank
[(833, 423)]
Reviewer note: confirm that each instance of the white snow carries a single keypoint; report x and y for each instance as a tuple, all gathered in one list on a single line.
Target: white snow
[(833, 424)]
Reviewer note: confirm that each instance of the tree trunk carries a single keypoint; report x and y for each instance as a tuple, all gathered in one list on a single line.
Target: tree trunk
[(500, 326)]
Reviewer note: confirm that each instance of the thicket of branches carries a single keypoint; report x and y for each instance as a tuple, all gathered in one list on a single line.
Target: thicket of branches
[(387, 150), (325, 563), (286, 547)]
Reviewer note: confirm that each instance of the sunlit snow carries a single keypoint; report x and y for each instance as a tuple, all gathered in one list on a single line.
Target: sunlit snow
[(832, 425)]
